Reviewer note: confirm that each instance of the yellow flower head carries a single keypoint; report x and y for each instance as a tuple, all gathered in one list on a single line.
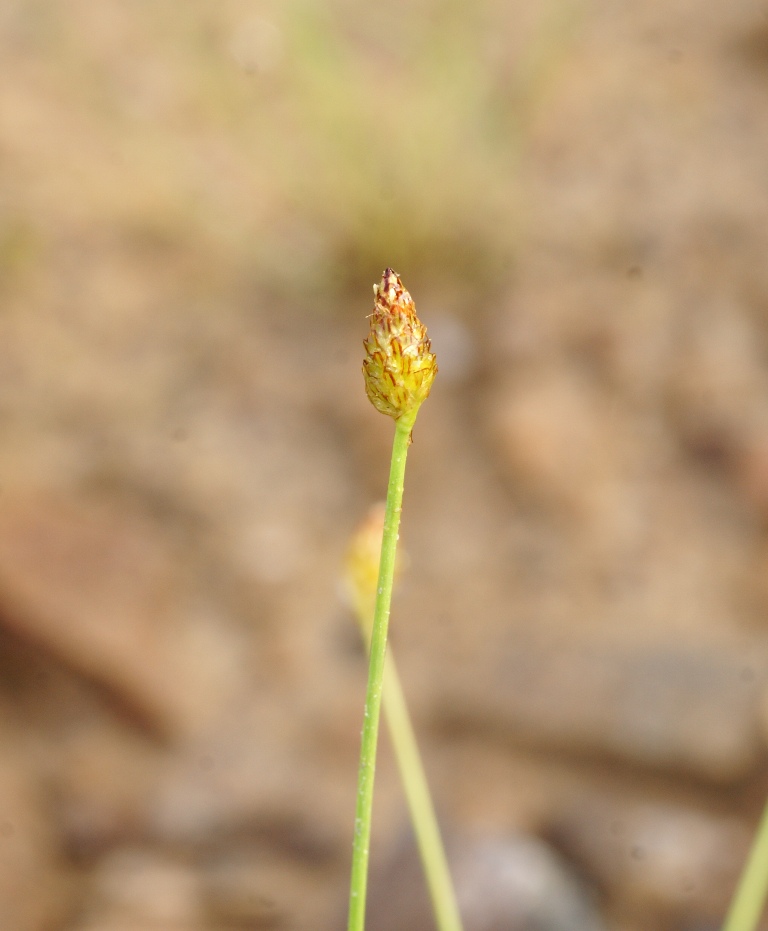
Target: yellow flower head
[(399, 365)]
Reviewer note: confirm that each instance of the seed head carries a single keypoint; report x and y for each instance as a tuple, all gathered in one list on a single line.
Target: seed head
[(399, 365)]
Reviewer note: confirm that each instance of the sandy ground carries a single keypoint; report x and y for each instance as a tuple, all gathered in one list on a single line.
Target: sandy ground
[(193, 210)]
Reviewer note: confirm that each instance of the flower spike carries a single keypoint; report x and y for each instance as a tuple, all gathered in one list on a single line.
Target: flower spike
[(399, 365)]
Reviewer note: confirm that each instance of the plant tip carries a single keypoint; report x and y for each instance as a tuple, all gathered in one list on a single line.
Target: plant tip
[(399, 365)]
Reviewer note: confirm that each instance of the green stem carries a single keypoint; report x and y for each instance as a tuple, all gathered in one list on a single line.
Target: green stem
[(749, 898), (420, 805), (362, 832)]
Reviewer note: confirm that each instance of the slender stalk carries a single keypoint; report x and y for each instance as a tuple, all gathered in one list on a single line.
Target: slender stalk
[(364, 807), (416, 788), (749, 898), (360, 577), (399, 368)]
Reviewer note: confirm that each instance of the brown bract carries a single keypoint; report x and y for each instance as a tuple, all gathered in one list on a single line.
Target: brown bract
[(399, 365)]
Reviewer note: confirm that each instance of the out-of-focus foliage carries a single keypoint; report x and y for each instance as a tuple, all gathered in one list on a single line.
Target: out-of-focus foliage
[(296, 143)]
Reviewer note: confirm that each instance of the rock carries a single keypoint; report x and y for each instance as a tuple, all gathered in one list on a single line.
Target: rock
[(97, 588), (718, 388), (270, 819), (136, 888), (256, 775), (245, 888), (752, 472), (242, 892), (33, 890), (102, 777), (693, 710), (554, 436), (666, 857), (509, 883)]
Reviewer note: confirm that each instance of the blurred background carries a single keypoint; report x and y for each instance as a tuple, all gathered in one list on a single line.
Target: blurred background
[(195, 201)]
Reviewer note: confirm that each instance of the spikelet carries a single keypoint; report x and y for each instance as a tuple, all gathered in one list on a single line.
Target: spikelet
[(399, 365)]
